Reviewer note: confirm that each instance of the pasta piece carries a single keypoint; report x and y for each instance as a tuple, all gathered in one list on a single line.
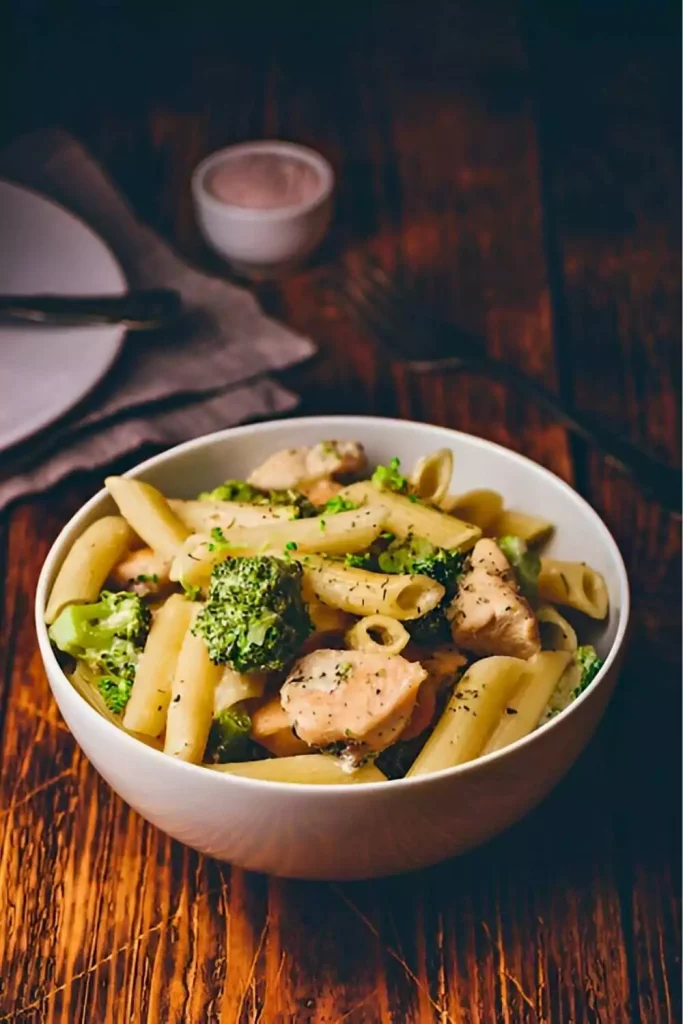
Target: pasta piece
[(203, 516), (556, 633), (432, 475), (333, 534), (150, 515), (324, 618), (192, 696), (404, 517), (524, 709), (575, 585), (85, 682), (471, 714), (311, 769), (563, 694), (92, 557), (390, 637), (237, 686), (360, 592), (148, 705), (531, 529), (480, 507)]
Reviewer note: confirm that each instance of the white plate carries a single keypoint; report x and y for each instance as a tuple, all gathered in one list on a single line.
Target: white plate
[(45, 371)]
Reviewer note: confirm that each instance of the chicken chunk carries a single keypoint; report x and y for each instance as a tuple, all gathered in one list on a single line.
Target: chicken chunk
[(442, 665), (300, 467), (487, 555), (488, 615), (321, 491), (142, 571), (355, 699), (271, 728)]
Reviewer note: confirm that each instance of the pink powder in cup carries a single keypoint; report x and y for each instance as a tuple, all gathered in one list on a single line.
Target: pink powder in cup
[(264, 181)]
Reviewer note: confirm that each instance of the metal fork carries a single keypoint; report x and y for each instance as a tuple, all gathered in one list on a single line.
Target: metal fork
[(390, 313)]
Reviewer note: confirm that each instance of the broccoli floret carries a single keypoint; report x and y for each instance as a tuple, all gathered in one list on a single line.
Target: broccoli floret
[(240, 490), (93, 627), (370, 559), (235, 490), (218, 542), (390, 478), (431, 629), (301, 506), (418, 556), (590, 664), (116, 691), (339, 504), (525, 563), (395, 761), (255, 618), (364, 561), (229, 737), (109, 636)]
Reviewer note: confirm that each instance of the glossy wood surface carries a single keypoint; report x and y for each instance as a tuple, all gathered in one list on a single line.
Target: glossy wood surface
[(527, 173)]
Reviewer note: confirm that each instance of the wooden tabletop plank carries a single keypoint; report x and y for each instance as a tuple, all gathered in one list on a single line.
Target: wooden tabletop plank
[(611, 161)]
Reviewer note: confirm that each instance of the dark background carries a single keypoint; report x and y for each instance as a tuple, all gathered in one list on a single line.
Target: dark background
[(522, 163)]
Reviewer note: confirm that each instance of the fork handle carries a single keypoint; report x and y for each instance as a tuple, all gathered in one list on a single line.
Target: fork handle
[(136, 310), (661, 481)]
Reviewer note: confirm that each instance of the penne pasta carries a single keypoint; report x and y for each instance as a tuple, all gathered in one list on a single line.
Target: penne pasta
[(192, 697), (149, 514), (148, 705), (531, 529), (235, 686), (471, 715), (360, 592), (404, 517), (432, 475), (332, 534), (561, 696), (85, 682), (88, 564), (480, 507), (324, 618), (524, 709), (574, 585), (311, 769), (378, 634), (556, 633), (203, 516)]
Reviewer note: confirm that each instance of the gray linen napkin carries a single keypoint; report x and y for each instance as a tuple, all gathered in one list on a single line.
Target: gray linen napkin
[(206, 374)]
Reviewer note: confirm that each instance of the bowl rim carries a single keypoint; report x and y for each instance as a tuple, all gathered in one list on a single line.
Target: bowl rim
[(248, 213), (54, 670)]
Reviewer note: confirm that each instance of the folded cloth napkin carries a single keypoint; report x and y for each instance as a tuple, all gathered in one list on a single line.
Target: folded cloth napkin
[(209, 372)]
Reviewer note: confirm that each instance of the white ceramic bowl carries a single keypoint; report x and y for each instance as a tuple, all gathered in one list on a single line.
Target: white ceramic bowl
[(337, 832), (263, 243)]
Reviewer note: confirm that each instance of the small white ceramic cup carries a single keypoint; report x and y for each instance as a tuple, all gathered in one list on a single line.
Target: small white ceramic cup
[(261, 242)]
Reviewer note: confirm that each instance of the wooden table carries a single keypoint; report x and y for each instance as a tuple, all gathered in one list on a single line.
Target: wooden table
[(527, 173)]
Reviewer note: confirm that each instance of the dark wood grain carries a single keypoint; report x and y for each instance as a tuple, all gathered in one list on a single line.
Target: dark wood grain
[(525, 171)]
